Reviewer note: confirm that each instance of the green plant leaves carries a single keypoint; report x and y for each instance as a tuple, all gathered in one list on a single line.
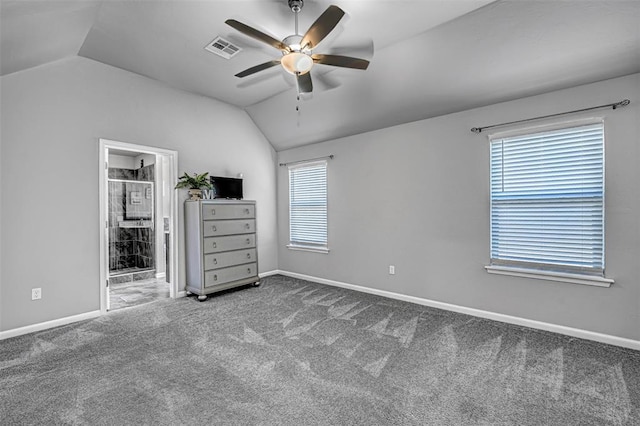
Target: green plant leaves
[(197, 181)]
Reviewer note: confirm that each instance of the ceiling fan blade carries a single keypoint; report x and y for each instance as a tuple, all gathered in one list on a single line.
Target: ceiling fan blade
[(258, 68), (341, 61), (305, 85), (258, 35), (322, 27)]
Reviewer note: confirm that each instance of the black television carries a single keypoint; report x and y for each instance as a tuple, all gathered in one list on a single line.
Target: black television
[(226, 187)]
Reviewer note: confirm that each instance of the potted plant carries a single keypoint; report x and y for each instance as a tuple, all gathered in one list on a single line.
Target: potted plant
[(195, 184)]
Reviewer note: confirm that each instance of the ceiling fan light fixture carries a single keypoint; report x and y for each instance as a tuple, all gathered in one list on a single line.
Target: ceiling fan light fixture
[(297, 63)]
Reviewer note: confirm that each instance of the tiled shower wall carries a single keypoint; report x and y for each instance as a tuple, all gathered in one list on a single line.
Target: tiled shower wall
[(130, 249), (143, 174)]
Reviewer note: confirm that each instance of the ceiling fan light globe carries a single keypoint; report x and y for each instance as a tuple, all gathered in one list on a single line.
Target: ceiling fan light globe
[(297, 63)]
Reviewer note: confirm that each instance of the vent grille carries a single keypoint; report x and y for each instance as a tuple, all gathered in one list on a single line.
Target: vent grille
[(222, 47)]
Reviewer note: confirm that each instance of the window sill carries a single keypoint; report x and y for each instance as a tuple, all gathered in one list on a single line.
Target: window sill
[(550, 276), (308, 248)]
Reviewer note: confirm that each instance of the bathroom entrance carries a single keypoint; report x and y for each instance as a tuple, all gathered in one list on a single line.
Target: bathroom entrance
[(138, 205)]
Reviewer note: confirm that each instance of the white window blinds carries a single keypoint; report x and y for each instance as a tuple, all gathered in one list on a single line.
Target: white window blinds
[(547, 200), (308, 204)]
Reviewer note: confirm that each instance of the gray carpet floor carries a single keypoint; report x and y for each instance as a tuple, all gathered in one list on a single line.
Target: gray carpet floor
[(293, 352)]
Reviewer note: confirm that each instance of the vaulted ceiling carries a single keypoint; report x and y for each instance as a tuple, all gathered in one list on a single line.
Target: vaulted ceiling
[(428, 57)]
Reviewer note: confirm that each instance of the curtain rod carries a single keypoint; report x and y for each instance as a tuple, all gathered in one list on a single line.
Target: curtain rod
[(330, 157), (615, 105)]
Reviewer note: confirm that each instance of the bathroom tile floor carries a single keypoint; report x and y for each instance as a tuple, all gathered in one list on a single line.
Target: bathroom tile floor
[(137, 293)]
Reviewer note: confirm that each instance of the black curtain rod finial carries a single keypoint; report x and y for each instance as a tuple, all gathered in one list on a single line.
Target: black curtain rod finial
[(622, 103)]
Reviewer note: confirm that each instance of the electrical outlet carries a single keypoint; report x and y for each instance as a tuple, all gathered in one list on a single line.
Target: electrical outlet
[(392, 270), (36, 293)]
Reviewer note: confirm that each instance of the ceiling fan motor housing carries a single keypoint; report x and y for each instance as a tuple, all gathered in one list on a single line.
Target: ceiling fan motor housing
[(293, 41)]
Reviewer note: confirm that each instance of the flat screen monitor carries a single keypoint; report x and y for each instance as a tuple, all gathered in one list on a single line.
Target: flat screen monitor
[(226, 187)]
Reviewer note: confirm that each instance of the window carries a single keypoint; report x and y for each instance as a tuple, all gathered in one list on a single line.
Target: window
[(547, 203), (308, 206)]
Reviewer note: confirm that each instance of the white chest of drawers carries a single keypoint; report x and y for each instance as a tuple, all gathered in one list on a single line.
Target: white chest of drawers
[(220, 245)]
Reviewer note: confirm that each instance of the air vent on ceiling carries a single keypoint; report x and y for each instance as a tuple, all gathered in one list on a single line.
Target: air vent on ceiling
[(222, 47)]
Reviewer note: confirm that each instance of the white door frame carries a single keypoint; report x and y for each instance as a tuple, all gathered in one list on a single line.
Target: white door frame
[(105, 145)]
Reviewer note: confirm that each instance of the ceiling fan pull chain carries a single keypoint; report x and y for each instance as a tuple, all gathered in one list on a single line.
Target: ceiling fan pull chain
[(298, 111)]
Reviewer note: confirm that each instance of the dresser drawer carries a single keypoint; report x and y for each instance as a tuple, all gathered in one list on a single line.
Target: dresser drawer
[(211, 228), (234, 242), (225, 275), (230, 258), (231, 211)]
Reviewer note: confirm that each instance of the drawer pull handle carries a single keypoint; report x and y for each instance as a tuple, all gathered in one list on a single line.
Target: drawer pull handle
[(215, 261), (247, 226), (246, 211), (248, 270), (215, 277), (215, 245), (248, 241), (213, 212), (214, 228), (248, 255)]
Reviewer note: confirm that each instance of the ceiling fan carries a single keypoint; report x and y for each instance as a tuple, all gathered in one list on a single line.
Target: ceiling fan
[(297, 50)]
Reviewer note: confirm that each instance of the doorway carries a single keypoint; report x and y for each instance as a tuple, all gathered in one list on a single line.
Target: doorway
[(138, 216)]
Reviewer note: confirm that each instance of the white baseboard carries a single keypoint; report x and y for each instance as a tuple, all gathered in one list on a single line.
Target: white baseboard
[(48, 324), (58, 322), (569, 331), (269, 273), (161, 275)]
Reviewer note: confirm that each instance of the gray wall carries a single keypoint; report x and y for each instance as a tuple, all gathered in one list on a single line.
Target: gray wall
[(52, 119), (122, 162), (416, 196)]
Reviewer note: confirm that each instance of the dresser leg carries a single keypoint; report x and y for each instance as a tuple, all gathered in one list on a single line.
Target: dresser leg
[(202, 297)]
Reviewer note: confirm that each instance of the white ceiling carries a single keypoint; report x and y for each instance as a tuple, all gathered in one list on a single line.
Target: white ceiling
[(430, 57)]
